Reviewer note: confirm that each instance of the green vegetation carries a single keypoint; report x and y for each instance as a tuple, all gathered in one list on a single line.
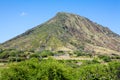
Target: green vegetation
[(51, 69), (38, 70), (31, 65), (10, 53), (100, 72), (13, 55), (42, 54), (105, 58), (66, 36), (46, 53), (82, 53)]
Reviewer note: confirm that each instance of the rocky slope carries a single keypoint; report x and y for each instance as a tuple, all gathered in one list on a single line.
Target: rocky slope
[(67, 32)]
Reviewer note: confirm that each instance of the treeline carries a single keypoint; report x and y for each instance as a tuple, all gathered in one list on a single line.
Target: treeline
[(12, 55), (50, 69)]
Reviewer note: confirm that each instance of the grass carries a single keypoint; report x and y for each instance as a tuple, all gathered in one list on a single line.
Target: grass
[(2, 66)]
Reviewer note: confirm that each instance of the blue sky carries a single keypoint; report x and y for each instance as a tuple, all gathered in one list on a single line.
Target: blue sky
[(17, 16)]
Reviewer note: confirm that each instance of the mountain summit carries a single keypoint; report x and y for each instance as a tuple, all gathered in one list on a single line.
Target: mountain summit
[(67, 32)]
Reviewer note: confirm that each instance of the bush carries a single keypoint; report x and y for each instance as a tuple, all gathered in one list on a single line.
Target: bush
[(34, 70), (95, 60), (79, 53), (53, 70), (21, 71), (35, 55), (17, 59), (10, 53), (100, 71), (4, 54), (46, 53), (105, 58), (114, 70)]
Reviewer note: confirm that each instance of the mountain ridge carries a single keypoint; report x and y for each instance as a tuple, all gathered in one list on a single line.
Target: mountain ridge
[(67, 32)]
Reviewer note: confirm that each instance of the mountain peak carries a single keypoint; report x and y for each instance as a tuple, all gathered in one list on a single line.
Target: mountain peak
[(67, 32), (63, 13), (67, 14)]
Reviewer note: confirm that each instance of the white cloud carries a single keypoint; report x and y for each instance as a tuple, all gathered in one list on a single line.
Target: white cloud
[(23, 14)]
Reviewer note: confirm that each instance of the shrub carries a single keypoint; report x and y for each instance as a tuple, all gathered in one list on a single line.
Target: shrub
[(17, 59), (53, 70), (10, 53), (46, 53), (100, 71), (50, 69), (21, 71), (35, 55), (114, 70), (4, 54), (105, 58), (34, 69), (79, 53), (95, 60)]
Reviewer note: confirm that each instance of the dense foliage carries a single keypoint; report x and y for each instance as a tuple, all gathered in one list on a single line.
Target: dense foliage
[(51, 69), (38, 70)]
